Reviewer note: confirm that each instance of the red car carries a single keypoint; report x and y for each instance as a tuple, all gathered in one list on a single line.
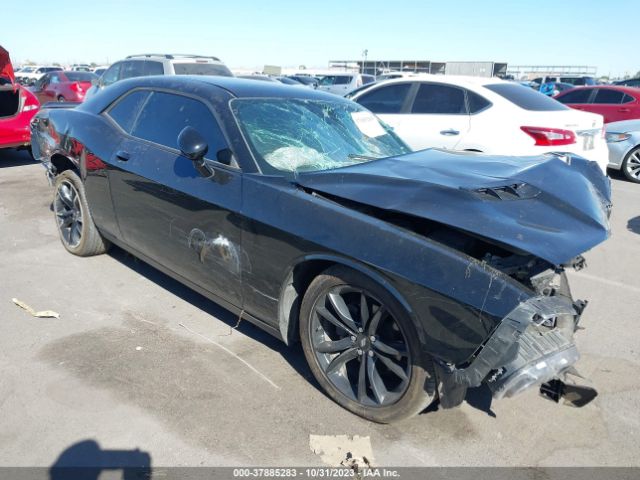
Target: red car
[(63, 86), (17, 107), (613, 102)]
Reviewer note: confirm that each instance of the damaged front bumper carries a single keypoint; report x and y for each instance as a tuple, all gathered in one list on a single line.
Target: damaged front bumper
[(532, 345)]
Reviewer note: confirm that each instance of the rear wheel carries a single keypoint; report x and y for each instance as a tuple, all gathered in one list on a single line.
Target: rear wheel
[(631, 165), (362, 347), (61, 98), (78, 233)]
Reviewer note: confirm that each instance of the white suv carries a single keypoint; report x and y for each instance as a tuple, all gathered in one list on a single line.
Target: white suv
[(343, 83), (160, 64)]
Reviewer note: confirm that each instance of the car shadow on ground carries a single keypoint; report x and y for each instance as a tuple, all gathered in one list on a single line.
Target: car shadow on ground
[(479, 398), (15, 158), (292, 354), (633, 225), (85, 460)]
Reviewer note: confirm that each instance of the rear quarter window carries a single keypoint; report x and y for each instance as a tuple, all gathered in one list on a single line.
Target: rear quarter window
[(125, 110), (526, 98)]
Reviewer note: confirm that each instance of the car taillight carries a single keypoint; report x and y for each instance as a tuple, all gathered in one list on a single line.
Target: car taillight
[(76, 87), (550, 136), (29, 102)]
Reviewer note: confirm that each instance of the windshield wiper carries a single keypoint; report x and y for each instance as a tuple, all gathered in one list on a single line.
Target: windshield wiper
[(356, 156)]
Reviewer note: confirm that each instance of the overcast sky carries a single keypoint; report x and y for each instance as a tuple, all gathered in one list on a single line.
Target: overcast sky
[(248, 34)]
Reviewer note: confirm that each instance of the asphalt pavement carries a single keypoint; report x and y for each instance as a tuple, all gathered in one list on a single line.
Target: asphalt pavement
[(139, 366)]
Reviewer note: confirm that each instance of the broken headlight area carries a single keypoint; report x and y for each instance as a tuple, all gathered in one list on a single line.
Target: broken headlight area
[(532, 345)]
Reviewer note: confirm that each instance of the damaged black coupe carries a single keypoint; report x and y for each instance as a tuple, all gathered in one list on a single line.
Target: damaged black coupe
[(407, 276)]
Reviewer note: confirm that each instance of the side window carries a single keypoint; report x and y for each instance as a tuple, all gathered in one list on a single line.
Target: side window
[(387, 99), (54, 77), (153, 68), (441, 99), (112, 74), (368, 79), (579, 95), (164, 116), (342, 80), (606, 95), (125, 109), (44, 80), (476, 102), (132, 68), (627, 98)]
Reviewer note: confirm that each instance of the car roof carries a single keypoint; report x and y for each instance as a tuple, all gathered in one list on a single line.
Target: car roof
[(238, 87), (458, 80), (172, 56), (621, 88)]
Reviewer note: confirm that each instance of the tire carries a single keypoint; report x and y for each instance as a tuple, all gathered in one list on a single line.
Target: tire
[(631, 165), (61, 98), (409, 386), (77, 231)]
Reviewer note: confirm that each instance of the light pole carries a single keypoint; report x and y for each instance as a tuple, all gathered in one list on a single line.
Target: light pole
[(365, 52)]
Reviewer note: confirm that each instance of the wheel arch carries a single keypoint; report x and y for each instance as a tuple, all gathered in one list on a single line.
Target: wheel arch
[(61, 163), (301, 274)]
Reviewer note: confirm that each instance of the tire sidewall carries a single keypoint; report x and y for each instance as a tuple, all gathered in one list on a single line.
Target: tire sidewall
[(71, 177), (415, 398)]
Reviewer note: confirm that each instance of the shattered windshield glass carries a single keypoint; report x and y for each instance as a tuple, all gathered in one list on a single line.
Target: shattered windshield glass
[(298, 135)]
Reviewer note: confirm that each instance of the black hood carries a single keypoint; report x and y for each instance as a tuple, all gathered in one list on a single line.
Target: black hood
[(540, 205)]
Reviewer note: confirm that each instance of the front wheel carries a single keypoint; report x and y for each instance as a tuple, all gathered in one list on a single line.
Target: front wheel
[(631, 166), (78, 233), (363, 348)]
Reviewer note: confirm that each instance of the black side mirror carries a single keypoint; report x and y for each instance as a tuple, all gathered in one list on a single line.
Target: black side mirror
[(192, 144)]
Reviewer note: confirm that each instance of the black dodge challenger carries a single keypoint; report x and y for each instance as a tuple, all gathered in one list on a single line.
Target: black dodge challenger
[(407, 276)]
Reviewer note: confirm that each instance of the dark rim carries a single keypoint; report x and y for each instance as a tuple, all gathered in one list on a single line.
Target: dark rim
[(360, 346), (68, 213)]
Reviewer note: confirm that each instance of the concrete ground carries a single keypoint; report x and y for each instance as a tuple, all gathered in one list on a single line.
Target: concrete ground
[(141, 365)]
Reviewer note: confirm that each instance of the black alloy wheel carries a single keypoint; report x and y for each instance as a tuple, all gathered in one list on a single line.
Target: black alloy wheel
[(363, 348), (78, 233), (68, 212)]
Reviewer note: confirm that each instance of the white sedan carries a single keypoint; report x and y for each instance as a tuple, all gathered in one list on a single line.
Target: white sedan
[(484, 115)]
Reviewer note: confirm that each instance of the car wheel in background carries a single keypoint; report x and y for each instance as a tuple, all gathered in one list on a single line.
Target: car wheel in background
[(78, 233), (631, 165), (61, 98), (363, 348)]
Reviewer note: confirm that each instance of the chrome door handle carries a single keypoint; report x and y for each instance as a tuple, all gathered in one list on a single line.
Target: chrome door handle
[(450, 132)]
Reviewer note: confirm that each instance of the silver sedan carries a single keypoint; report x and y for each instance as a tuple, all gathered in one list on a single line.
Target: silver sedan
[(623, 140)]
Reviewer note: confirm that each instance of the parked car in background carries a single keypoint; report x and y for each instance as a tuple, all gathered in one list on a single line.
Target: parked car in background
[(623, 139), (17, 107), (343, 83), (305, 80), (265, 205), (261, 78), (575, 80), (630, 82), (393, 75), (552, 89), (69, 86), (99, 71), (288, 81), (615, 103), (30, 75), (160, 64), (486, 115)]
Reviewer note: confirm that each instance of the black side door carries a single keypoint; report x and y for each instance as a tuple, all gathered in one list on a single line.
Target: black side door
[(169, 210)]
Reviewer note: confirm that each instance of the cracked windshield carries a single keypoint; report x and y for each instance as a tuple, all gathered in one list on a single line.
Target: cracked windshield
[(294, 135)]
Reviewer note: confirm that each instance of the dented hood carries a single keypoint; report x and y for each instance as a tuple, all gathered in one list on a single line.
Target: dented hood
[(6, 69), (540, 205)]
